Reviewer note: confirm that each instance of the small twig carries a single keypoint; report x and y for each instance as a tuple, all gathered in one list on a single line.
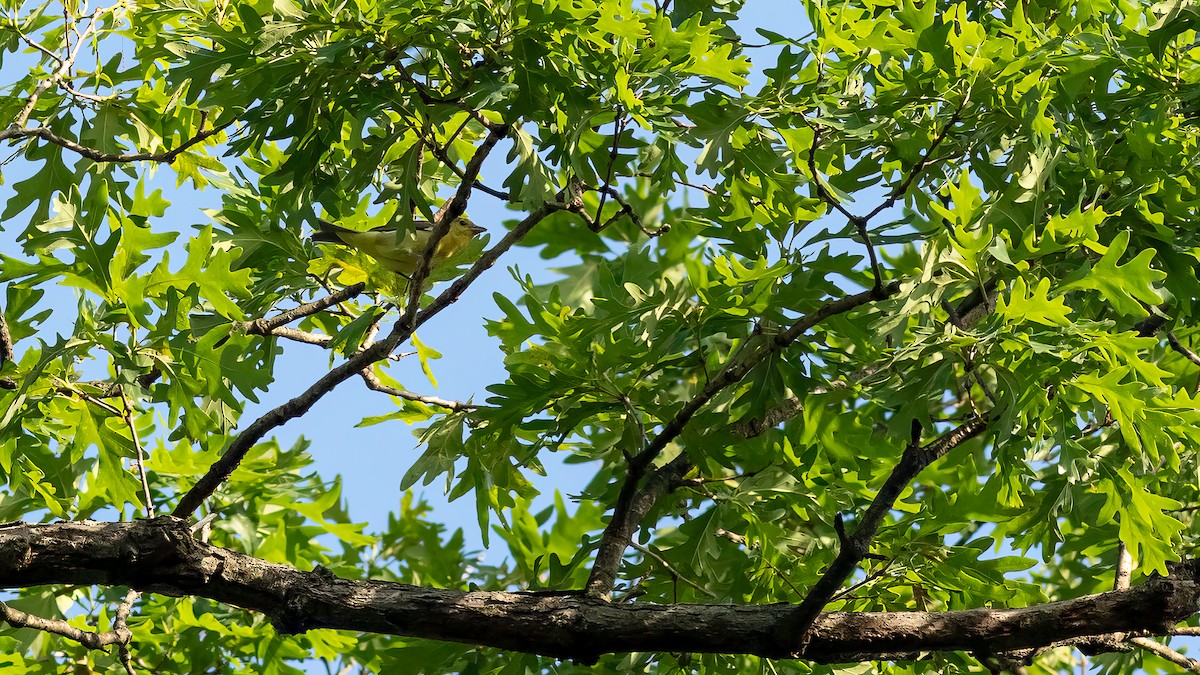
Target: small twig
[(113, 389), (307, 309), (69, 390), (667, 566), (618, 129), (703, 188), (1179, 347), (16, 131), (1124, 569), (201, 526), (587, 219), (127, 415), (625, 210), (301, 336), (871, 577), (95, 98), (822, 191), (740, 540), (373, 330), (1167, 653), (825, 195), (374, 384), (720, 479), (919, 167), (779, 573), (275, 325), (16, 26), (440, 154), (64, 68)]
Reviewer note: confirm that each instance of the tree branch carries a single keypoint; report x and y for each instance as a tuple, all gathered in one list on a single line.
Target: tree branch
[(444, 218), (979, 303), (439, 153), (1191, 665), (632, 503), (100, 156), (1178, 346), (374, 384), (918, 168), (65, 64), (268, 326), (161, 556), (18, 619), (241, 444), (7, 352), (856, 547)]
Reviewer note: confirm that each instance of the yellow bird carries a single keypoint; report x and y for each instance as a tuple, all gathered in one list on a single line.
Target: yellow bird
[(400, 254)]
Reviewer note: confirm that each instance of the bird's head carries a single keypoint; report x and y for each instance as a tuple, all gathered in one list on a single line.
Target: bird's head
[(466, 223)]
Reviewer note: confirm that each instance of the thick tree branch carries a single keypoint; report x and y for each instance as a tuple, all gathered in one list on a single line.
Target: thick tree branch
[(241, 444), (633, 502), (161, 556), (7, 352), (856, 547)]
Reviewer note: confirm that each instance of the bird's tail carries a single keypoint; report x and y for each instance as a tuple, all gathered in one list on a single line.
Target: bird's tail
[(327, 233)]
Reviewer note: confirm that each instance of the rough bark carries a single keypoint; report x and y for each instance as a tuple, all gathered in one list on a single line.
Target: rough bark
[(161, 556)]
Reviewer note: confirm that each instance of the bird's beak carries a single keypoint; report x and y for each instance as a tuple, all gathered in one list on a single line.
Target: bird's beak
[(476, 230)]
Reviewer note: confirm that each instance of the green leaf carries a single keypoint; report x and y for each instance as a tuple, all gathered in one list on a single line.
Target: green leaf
[(1024, 304), (1126, 286)]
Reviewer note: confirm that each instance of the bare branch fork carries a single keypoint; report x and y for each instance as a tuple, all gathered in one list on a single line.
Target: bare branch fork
[(635, 500), (160, 555), (18, 619), (18, 129)]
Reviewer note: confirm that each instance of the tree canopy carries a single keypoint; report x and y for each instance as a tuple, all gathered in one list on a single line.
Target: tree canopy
[(875, 333)]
